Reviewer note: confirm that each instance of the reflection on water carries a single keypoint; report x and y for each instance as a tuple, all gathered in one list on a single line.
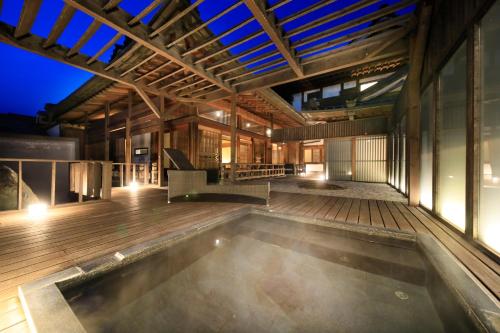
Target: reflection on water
[(261, 274)]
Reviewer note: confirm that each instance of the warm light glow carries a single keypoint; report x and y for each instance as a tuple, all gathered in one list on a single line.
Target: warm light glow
[(133, 186), (268, 132), (454, 212), (218, 114), (322, 177), (217, 242), (37, 210), (349, 173), (248, 125)]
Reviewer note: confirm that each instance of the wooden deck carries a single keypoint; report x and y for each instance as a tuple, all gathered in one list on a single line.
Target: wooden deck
[(72, 235)]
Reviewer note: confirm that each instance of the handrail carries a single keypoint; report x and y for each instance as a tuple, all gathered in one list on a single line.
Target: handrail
[(106, 177), (253, 170)]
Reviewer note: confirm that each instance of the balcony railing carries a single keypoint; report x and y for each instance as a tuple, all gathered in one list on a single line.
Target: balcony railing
[(253, 171)]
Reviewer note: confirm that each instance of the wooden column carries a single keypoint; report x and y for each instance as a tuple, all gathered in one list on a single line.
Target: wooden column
[(161, 132), (128, 138), (417, 52), (233, 136), (473, 132), (106, 132), (85, 152), (193, 142)]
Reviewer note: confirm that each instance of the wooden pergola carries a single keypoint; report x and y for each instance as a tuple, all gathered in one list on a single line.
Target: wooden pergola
[(176, 57)]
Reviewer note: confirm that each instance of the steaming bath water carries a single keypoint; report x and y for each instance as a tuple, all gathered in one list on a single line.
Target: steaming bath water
[(260, 274)]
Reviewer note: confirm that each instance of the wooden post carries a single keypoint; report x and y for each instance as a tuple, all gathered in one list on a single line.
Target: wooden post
[(20, 185), (86, 137), (121, 175), (107, 172), (353, 159), (133, 172), (106, 132), (53, 184), (417, 53), (161, 133), (128, 139), (80, 183), (473, 133), (233, 137)]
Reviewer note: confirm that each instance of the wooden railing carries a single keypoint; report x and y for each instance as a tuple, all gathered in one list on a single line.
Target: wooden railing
[(253, 170), (79, 171), (139, 172)]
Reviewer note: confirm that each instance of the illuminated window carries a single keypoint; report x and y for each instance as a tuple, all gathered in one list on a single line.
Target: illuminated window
[(331, 91), (350, 85), (426, 139), (451, 137), (489, 181), (365, 86)]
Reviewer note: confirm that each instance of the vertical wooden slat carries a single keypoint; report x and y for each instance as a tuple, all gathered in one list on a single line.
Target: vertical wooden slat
[(234, 98), (106, 131), (133, 172), (473, 132), (121, 175), (80, 183), (161, 143), (128, 137), (53, 184), (107, 173), (20, 185)]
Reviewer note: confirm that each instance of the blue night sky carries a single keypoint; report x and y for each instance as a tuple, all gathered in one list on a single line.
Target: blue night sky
[(29, 81)]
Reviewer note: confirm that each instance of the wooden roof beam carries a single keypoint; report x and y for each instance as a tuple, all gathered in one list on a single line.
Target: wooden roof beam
[(164, 77), (176, 18), (154, 70), (201, 26), (111, 42), (61, 23), (145, 12), (230, 46), (91, 30), (278, 5), (268, 23), (218, 37), (27, 18), (333, 16), (139, 64), (118, 20), (149, 102), (125, 55), (111, 4)]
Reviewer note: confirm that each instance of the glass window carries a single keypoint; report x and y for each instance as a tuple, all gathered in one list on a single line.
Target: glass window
[(451, 137), (426, 140), (297, 102), (365, 86), (350, 85), (489, 187), (331, 91)]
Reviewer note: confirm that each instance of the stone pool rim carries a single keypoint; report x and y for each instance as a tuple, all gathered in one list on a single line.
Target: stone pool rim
[(47, 310)]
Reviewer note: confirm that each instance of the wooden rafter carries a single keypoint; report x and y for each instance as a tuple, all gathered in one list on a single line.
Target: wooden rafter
[(149, 102), (118, 20), (61, 23), (176, 18), (205, 24), (166, 76), (111, 4), (152, 71), (27, 18), (144, 12), (269, 25), (111, 42), (91, 30), (139, 64)]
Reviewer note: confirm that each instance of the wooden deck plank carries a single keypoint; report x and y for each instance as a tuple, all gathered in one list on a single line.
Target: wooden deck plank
[(387, 216), (353, 215), (478, 268), (335, 209), (315, 207), (414, 222), (375, 217), (321, 213), (364, 212), (402, 222), (344, 211)]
